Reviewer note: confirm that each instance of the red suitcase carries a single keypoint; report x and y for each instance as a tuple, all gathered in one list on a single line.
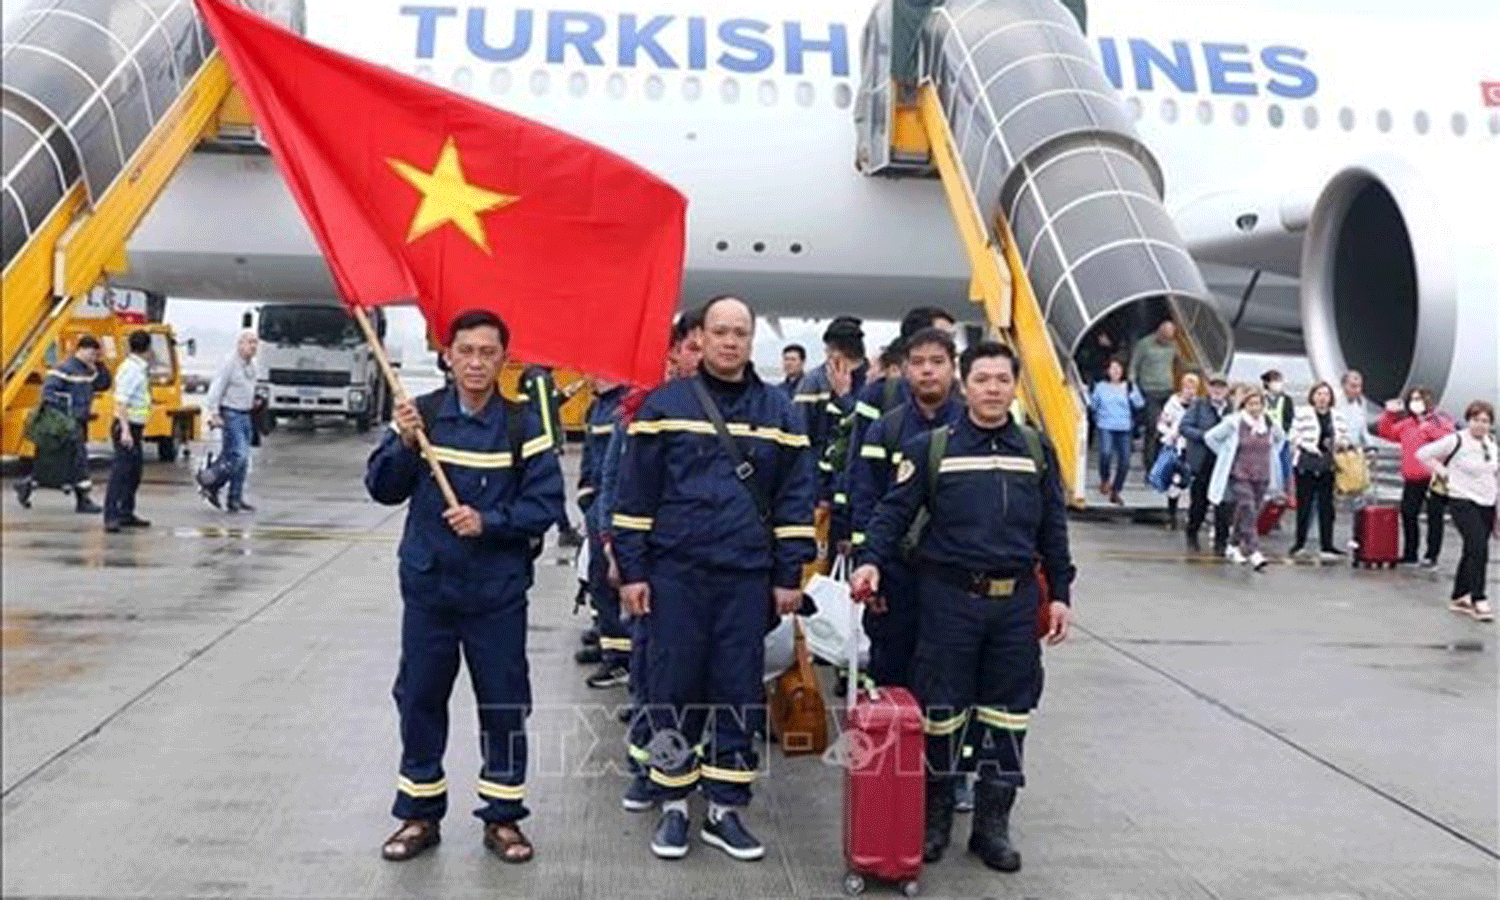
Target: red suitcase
[(884, 784), (1270, 516), (1377, 536)]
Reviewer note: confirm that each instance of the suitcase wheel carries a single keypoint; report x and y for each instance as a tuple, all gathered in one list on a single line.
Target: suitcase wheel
[(911, 888), (854, 884)]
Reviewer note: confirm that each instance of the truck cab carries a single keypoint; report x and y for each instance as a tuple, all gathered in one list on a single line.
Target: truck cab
[(315, 362)]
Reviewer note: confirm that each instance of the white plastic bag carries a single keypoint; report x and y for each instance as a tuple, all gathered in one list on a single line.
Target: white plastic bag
[(829, 630), (781, 649)]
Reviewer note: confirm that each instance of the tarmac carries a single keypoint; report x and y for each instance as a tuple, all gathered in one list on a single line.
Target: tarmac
[(202, 709)]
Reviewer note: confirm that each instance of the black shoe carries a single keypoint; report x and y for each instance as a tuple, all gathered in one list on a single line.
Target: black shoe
[(638, 796), (24, 487), (1193, 544), (237, 506), (608, 676), (624, 714), (112, 527), (730, 835), (212, 496), (671, 838), (82, 504), (990, 840), (588, 656), (938, 829), (589, 638), (135, 522)]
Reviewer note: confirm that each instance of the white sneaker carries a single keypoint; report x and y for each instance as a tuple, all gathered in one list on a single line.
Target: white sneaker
[(1461, 604), (1258, 560), (1481, 611), (1233, 554)]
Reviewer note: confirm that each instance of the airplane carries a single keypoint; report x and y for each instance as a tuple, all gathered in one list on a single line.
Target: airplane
[(1334, 176)]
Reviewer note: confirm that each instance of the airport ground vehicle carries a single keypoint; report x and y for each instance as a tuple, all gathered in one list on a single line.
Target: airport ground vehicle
[(314, 361)]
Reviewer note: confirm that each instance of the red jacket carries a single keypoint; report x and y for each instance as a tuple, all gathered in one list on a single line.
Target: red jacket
[(1412, 434)]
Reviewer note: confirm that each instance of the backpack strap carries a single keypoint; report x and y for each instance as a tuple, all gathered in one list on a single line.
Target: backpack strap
[(515, 434), (937, 448), (1034, 447), (890, 432), (427, 407), (888, 395)]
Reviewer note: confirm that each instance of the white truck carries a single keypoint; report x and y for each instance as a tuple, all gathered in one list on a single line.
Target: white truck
[(315, 362)]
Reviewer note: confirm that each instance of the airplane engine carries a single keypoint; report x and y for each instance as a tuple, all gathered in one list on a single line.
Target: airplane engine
[(1392, 288)]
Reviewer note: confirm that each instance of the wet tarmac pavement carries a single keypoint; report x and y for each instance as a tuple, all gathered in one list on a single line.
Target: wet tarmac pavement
[(202, 709)]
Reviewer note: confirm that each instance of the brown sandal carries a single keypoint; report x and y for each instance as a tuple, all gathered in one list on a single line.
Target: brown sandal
[(506, 841), (412, 839)]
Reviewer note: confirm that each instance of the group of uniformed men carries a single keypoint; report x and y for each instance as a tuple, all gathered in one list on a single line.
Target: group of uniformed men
[(700, 499)]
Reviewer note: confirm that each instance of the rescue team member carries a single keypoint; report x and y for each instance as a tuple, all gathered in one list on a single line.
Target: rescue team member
[(614, 639), (827, 394), (707, 537), (127, 432), (540, 388), (70, 388), (684, 353), (996, 506), (464, 574), (891, 618)]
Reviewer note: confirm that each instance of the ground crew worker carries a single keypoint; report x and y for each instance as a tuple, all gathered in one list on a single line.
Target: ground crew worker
[(128, 433), (991, 488), (614, 638), (464, 574), (712, 528), (70, 389)]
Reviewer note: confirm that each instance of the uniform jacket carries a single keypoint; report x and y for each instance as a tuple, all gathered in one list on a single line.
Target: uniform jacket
[(869, 405), (1224, 440), (70, 387), (679, 496), (1196, 423), (821, 412), (873, 463), (1305, 432), (516, 506), (993, 512), (599, 425), (1412, 433)]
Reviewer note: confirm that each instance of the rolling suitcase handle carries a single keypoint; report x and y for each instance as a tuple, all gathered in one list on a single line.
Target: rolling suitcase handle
[(856, 630)]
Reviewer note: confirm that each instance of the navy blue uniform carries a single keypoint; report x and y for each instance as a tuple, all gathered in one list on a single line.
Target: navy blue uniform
[(686, 525), (978, 670), (821, 414), (877, 398), (614, 638), (469, 593), (71, 387), (872, 467)]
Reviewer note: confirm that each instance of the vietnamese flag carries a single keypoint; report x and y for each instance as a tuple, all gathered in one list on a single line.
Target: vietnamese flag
[(416, 193)]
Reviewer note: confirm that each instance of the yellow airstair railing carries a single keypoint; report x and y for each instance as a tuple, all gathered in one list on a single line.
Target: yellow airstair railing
[(79, 246), (998, 283)]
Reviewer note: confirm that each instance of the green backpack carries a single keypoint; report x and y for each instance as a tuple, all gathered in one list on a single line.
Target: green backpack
[(936, 449)]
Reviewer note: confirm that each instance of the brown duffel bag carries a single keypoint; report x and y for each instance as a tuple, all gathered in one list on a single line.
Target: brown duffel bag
[(798, 718)]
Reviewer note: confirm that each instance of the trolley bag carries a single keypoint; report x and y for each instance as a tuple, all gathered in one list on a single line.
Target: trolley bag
[(1270, 516), (1377, 536), (885, 782)]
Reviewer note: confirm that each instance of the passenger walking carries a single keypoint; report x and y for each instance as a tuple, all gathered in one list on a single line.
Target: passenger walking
[(1281, 409), (995, 505), (1153, 363), (69, 390), (127, 433), (1169, 430), (1318, 432), (1112, 403), (1413, 425), (1247, 471), (1201, 418), (464, 573), (713, 525), (230, 402), (1469, 462)]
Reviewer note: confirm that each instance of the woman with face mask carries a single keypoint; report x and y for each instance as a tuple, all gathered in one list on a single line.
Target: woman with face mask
[(1247, 470), (1318, 431), (1470, 463), (1413, 424)]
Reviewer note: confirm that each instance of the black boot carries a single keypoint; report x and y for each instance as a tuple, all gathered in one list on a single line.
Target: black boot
[(939, 828), (991, 836), (24, 487), (83, 504)]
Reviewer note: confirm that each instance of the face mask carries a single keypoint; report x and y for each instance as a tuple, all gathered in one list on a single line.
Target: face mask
[(1418, 407)]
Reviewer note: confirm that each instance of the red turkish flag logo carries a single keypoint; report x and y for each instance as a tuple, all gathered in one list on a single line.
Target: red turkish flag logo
[(1491, 92)]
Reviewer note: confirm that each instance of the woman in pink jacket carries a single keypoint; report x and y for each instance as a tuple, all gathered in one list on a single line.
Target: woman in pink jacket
[(1413, 425)]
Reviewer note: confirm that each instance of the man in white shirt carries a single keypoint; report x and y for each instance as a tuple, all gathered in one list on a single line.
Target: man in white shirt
[(1352, 407), (132, 410), (229, 402)]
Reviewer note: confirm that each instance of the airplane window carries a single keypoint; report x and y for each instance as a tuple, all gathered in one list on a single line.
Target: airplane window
[(1420, 122), (1134, 105), (1460, 124), (500, 81), (692, 88), (805, 93), (842, 96), (578, 84), (767, 92), (654, 87), (1168, 109), (424, 73), (1310, 117), (616, 86), (1495, 123), (1205, 112), (1346, 119), (1275, 115), (1241, 113), (463, 79), (540, 81), (1383, 120), (730, 91)]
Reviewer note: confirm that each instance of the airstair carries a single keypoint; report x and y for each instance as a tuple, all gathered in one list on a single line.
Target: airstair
[(1057, 200), (102, 101)]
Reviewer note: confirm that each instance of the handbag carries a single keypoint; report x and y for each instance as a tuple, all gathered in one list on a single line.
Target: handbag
[(1163, 468), (1351, 473), (798, 717), (1439, 484)]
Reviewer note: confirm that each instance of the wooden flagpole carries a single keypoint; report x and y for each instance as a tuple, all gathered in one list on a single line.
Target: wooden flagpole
[(399, 393)]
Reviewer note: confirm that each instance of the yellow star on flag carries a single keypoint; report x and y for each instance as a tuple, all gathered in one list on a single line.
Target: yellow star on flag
[(448, 197)]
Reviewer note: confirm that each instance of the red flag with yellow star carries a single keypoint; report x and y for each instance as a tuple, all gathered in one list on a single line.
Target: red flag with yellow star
[(416, 193)]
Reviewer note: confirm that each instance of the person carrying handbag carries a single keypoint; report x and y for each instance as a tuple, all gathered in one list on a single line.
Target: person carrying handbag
[(1318, 433)]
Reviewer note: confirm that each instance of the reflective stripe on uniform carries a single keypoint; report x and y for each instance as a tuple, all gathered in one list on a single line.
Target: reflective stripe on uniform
[(736, 776), (858, 539), (536, 445), (76, 379), (585, 492), (866, 410), (674, 781), (872, 451), (811, 398), (429, 789), (941, 727), (999, 718), (639, 754), (601, 429), (791, 532), (739, 429), (841, 499), (610, 643), (988, 464), (632, 523), (501, 791), (472, 459)]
